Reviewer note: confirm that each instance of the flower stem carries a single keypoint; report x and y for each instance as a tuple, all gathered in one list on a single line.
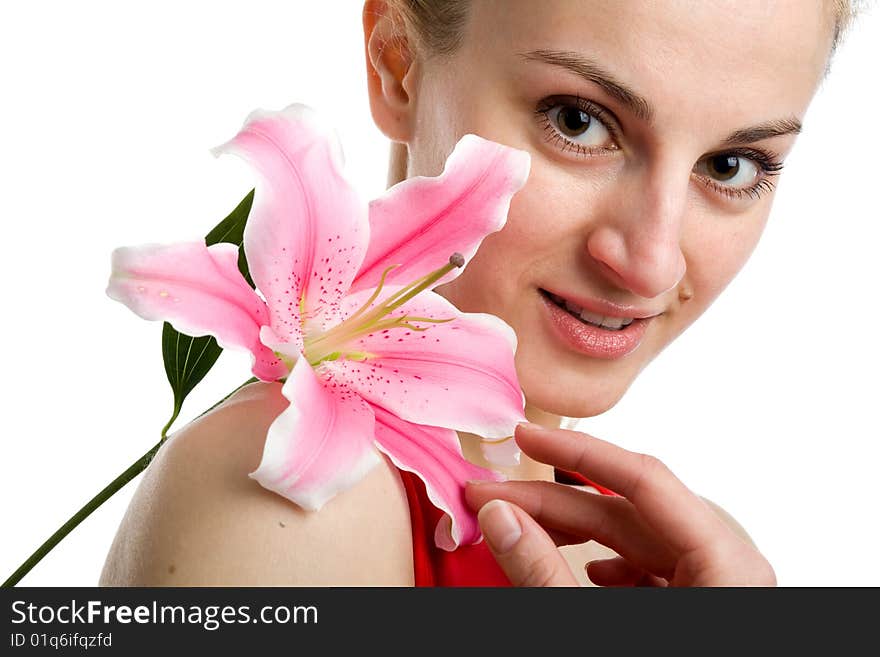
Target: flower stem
[(130, 473)]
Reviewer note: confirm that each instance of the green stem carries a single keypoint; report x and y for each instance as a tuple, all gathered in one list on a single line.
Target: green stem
[(130, 473), (164, 434)]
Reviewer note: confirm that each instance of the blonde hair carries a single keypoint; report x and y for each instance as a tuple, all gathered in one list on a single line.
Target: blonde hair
[(844, 12), (436, 29)]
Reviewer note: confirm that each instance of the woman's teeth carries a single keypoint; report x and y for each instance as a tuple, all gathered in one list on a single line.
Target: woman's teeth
[(611, 323)]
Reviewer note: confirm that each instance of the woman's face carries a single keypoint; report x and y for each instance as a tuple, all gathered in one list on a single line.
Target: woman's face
[(652, 129)]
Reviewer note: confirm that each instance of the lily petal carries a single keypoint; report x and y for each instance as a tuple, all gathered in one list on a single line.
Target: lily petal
[(458, 375), (307, 231), (419, 222), (200, 291), (320, 445), (434, 454)]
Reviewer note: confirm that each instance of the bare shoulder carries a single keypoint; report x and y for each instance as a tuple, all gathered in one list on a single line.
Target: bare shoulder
[(197, 519)]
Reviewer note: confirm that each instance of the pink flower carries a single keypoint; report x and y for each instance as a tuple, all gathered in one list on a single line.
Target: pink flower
[(371, 358)]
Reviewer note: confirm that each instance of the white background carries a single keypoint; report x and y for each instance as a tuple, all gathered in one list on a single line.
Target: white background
[(766, 405)]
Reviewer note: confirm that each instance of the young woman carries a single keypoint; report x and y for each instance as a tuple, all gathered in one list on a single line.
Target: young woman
[(656, 133)]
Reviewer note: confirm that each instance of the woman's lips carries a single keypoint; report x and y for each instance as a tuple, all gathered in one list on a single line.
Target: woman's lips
[(593, 340)]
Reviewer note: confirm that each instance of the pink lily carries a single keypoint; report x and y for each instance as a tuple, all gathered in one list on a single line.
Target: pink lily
[(371, 358)]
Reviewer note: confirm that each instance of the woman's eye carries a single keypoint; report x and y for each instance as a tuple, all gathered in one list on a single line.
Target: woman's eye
[(575, 128), (731, 170), (737, 175), (579, 126)]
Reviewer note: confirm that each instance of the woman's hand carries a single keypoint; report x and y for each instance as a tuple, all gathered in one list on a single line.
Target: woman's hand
[(664, 533)]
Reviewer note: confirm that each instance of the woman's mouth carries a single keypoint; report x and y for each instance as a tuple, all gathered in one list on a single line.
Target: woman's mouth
[(594, 319), (592, 334)]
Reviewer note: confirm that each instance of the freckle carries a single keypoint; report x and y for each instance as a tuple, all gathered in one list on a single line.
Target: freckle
[(172, 568)]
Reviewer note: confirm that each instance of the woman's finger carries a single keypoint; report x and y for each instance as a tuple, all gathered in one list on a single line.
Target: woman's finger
[(665, 503), (611, 521), (524, 551), (561, 538), (617, 571)]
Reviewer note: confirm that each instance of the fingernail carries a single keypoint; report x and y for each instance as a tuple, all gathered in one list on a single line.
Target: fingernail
[(500, 525), (532, 426)]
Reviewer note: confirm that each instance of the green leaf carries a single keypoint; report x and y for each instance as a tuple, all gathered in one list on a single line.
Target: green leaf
[(188, 359), (231, 230)]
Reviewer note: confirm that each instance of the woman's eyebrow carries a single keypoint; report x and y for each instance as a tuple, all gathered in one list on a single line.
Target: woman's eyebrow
[(591, 71), (764, 130)]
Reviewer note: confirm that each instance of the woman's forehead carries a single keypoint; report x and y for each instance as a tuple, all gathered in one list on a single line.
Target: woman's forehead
[(774, 26), (740, 51)]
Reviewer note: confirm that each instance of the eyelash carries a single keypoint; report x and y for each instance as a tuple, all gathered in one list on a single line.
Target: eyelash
[(768, 163), (586, 106)]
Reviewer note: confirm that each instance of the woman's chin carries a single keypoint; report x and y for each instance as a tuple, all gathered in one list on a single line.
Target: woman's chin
[(556, 398)]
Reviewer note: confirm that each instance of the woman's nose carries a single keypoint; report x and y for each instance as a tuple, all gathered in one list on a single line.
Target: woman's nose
[(636, 238)]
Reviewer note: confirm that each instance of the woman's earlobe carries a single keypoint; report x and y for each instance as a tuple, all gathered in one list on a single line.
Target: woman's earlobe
[(389, 70)]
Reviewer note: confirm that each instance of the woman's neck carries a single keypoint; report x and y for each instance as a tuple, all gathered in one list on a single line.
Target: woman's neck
[(528, 468)]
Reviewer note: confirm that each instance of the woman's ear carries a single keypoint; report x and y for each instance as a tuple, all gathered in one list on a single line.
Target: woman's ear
[(390, 70)]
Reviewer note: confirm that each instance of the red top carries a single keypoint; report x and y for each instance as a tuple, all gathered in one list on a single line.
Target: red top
[(468, 565)]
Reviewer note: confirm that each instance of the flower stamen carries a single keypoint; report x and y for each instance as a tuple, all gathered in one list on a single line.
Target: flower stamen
[(330, 345)]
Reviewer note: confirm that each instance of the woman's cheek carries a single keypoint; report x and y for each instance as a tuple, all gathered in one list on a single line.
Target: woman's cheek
[(548, 207), (715, 253)]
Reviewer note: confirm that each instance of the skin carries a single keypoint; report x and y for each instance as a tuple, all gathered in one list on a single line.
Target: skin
[(636, 221), (637, 224)]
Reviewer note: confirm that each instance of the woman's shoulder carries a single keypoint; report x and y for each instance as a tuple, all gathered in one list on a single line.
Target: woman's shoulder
[(198, 519)]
